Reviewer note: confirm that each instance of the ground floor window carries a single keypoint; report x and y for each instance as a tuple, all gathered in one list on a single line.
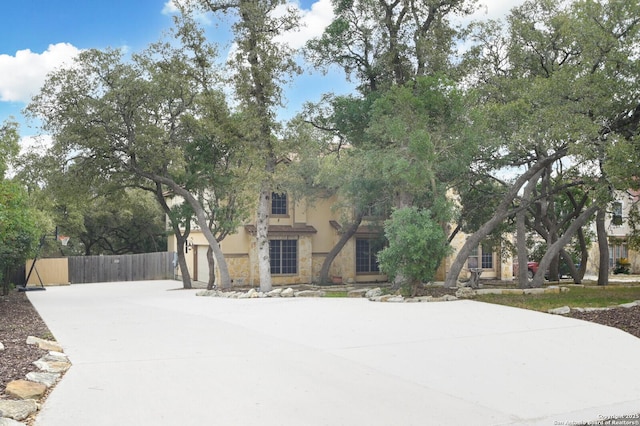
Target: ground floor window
[(284, 256), (616, 252), (481, 257), (366, 259)]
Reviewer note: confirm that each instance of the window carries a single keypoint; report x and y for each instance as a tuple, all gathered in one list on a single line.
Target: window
[(472, 260), (284, 256), (481, 257), (616, 219), (487, 256), (278, 204), (616, 252), (366, 260), (375, 211)]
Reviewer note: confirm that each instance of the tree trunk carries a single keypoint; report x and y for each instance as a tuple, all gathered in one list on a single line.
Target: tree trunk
[(572, 267), (502, 212), (211, 284), (521, 232), (181, 238), (603, 247), (521, 247), (346, 235), (225, 280), (262, 238), (584, 257), (182, 263), (554, 249)]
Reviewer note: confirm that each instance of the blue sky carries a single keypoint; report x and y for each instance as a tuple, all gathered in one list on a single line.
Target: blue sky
[(37, 36)]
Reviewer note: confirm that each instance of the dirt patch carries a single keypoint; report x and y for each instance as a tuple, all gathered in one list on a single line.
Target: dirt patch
[(18, 320)]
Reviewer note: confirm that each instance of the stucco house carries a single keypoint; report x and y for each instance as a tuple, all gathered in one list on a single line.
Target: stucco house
[(618, 231), (301, 235)]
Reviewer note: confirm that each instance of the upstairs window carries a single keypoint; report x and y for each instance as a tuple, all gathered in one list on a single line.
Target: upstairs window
[(616, 219), (278, 204)]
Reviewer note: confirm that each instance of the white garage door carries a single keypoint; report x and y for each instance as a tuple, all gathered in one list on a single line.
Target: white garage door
[(202, 266)]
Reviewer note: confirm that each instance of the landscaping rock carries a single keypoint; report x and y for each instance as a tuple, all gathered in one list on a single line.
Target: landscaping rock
[(534, 291), (52, 366), (47, 345), (276, 292), (47, 379), (360, 292), (10, 422), (1, 347), (560, 311), (465, 293), (374, 292), (25, 389), (56, 356), (595, 309), (287, 293), (18, 410)]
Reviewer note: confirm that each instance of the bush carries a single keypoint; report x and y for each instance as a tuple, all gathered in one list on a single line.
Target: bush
[(417, 246), (622, 266)]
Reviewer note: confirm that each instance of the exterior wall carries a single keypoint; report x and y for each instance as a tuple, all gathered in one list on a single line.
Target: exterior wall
[(241, 252), (502, 267), (617, 234)]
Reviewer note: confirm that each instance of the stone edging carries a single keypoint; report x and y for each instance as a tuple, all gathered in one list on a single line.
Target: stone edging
[(373, 294), (564, 310), (466, 293), (28, 392)]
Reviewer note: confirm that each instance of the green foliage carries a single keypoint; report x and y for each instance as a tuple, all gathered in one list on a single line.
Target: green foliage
[(18, 231), (125, 222), (9, 147), (417, 245)]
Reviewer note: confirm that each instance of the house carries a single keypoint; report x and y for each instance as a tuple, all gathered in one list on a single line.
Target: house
[(302, 234), (618, 232)]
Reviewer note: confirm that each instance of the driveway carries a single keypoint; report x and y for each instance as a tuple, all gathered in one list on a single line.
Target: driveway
[(145, 353)]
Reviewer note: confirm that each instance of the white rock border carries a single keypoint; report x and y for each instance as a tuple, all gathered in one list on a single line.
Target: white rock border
[(372, 294)]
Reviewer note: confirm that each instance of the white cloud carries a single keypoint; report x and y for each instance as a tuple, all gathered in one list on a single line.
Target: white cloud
[(24, 73), (170, 8), (313, 22), (35, 144), (495, 9)]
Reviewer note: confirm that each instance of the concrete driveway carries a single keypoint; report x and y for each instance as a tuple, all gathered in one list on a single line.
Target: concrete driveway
[(146, 354)]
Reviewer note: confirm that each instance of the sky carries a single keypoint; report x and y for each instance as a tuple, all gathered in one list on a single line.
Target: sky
[(38, 36)]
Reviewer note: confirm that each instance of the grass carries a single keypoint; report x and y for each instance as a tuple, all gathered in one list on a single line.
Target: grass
[(576, 297), (339, 293)]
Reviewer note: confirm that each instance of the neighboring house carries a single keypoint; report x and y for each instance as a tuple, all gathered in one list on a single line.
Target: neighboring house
[(618, 231), (301, 234)]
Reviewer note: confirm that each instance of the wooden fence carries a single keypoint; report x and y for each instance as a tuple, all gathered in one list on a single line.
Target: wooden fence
[(88, 269), (127, 267)]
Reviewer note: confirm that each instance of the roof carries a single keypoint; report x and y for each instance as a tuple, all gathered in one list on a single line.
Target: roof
[(284, 229)]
